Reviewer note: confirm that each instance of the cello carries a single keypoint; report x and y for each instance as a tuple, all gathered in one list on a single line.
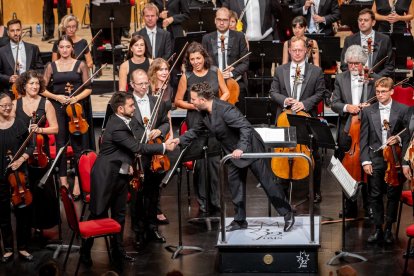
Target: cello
[(39, 158)]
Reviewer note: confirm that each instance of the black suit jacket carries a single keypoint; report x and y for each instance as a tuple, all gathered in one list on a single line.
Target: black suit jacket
[(179, 10), (162, 42), (7, 64), (119, 145), (237, 47), (371, 137), (230, 128), (313, 87), (382, 47), (327, 8), (270, 11)]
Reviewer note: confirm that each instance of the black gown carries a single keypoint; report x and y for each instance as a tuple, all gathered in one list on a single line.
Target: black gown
[(77, 48), (384, 8)]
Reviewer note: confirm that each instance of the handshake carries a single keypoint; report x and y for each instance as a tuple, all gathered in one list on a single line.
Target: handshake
[(171, 144)]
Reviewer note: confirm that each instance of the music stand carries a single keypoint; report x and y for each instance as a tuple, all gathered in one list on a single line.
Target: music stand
[(208, 16), (256, 113), (111, 15), (329, 49), (404, 47)]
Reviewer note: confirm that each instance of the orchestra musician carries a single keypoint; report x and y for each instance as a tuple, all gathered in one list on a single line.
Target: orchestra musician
[(310, 92), (381, 45), (236, 136), (392, 16), (157, 39), (299, 27), (4, 38), (225, 46), (68, 75), (69, 26), (109, 176), (348, 99), (373, 136), (49, 17), (138, 57), (407, 160), (28, 59), (13, 132), (145, 201), (199, 68)]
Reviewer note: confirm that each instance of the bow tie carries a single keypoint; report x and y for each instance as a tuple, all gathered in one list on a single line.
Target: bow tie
[(141, 101), (14, 46), (365, 37), (355, 78), (385, 107)]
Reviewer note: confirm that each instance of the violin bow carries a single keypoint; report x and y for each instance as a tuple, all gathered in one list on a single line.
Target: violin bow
[(237, 61), (90, 43), (386, 143)]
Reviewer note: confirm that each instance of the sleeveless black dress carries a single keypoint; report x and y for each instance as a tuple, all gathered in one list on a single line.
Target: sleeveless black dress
[(132, 67)]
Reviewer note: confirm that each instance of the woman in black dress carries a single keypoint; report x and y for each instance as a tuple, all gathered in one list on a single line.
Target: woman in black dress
[(13, 132), (393, 22), (68, 26), (68, 74), (137, 58)]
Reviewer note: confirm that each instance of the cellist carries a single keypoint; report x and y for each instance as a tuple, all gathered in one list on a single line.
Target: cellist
[(348, 99), (309, 93)]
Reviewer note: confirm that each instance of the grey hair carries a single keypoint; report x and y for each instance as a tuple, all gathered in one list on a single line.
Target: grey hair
[(356, 52)]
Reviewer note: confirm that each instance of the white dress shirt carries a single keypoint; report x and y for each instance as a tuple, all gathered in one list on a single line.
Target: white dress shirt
[(254, 24), (219, 53), (144, 106), (22, 56), (152, 34), (292, 74), (125, 166), (364, 44), (356, 91), (385, 111)]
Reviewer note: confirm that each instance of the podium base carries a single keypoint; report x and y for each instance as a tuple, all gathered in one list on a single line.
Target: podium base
[(182, 250), (339, 255)]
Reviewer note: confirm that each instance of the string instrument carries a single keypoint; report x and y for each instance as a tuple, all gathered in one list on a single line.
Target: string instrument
[(315, 12), (39, 158), (17, 67), (311, 49), (239, 24), (392, 11), (411, 162), (90, 43), (392, 155), (164, 7), (77, 124), (21, 195), (291, 168)]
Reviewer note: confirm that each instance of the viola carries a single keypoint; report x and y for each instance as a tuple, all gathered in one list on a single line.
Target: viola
[(39, 158), (392, 155), (77, 124), (21, 195)]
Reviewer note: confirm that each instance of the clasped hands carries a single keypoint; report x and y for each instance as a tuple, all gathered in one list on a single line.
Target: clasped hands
[(294, 104), (64, 100)]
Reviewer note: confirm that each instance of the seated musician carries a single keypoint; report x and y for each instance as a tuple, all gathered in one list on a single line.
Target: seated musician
[(310, 91), (349, 97), (8, 69), (380, 45), (225, 46), (236, 136), (373, 136)]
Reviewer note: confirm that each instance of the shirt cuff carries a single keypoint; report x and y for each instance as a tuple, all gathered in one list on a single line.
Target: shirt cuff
[(345, 110), (366, 163), (163, 148), (305, 11)]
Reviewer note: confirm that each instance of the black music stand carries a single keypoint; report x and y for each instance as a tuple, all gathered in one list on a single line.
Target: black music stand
[(329, 49), (256, 113), (181, 41), (201, 19), (111, 15)]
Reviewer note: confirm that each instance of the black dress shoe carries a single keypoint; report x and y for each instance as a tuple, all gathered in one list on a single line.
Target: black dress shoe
[(289, 221), (120, 254), (388, 237), (27, 258), (163, 221), (378, 236), (7, 259), (236, 225), (154, 235), (47, 37)]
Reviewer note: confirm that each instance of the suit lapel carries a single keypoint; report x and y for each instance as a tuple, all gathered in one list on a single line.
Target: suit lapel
[(377, 47), (209, 119), (137, 114), (376, 119), (214, 46), (347, 87), (321, 5), (230, 42), (286, 79), (9, 56), (29, 54), (158, 41), (393, 116), (262, 6), (306, 80)]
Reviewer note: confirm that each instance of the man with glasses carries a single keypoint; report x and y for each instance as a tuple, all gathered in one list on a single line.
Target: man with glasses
[(310, 89), (348, 99), (373, 137)]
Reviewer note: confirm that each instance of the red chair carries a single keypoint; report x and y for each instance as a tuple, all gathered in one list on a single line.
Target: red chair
[(404, 95), (86, 229), (410, 234), (407, 199), (85, 164), (188, 165), (52, 148)]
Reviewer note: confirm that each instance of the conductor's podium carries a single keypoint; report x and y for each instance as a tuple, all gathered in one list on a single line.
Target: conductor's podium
[(264, 247)]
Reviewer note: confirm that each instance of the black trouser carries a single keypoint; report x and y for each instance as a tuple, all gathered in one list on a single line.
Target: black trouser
[(23, 219), (262, 171), (49, 17)]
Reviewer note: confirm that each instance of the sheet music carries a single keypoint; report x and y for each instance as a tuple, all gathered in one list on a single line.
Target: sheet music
[(349, 184), (271, 135)]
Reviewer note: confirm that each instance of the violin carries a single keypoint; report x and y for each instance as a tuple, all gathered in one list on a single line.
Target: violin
[(39, 158), (392, 155), (16, 71), (77, 124), (291, 168), (310, 48), (21, 195), (137, 174)]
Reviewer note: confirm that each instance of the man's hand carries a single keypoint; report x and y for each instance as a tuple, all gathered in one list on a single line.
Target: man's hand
[(164, 14), (237, 153), (363, 105), (290, 101), (298, 106), (167, 21), (170, 144), (13, 78), (407, 172), (318, 19), (393, 140), (368, 169), (353, 109), (154, 134), (308, 4)]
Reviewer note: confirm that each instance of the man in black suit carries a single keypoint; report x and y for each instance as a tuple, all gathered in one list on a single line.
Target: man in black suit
[(349, 98), (28, 59), (225, 47), (373, 136), (319, 14), (144, 201), (259, 19), (381, 45), (49, 17), (236, 136), (310, 89), (110, 173), (155, 35), (173, 15)]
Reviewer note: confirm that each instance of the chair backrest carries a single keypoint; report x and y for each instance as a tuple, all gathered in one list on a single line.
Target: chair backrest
[(404, 95), (85, 164), (70, 210), (183, 128), (321, 108)]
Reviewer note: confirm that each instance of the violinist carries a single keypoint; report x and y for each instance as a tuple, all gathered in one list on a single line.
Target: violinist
[(145, 202), (68, 74), (225, 46), (28, 56), (310, 90), (373, 137), (349, 98), (380, 45), (13, 132), (299, 27)]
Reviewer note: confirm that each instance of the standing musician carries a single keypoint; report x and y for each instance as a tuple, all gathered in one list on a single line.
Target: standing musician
[(380, 45), (144, 202), (373, 137), (28, 59), (393, 15), (158, 40), (225, 47), (349, 99), (408, 150), (199, 69), (13, 132), (49, 16), (68, 74), (109, 176), (236, 136), (310, 92)]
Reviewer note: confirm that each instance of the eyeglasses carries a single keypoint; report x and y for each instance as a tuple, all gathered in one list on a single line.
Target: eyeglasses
[(5, 106), (381, 91), (224, 20), (71, 27), (297, 50), (354, 63), (141, 84)]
